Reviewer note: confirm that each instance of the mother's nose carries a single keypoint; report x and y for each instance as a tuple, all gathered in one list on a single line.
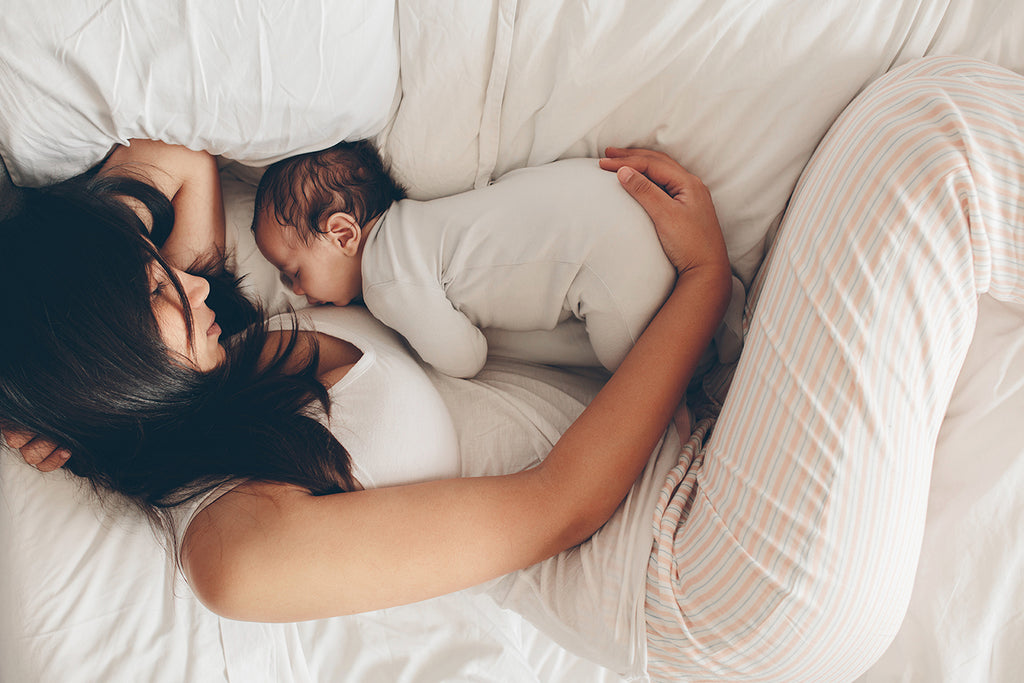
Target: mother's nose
[(197, 288)]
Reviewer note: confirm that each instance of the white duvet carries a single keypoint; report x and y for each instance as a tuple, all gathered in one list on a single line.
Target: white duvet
[(458, 93)]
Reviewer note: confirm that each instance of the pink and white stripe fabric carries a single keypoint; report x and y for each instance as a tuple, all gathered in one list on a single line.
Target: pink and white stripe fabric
[(786, 543)]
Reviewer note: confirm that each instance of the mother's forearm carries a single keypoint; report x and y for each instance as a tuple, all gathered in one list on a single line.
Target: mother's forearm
[(199, 221), (594, 464)]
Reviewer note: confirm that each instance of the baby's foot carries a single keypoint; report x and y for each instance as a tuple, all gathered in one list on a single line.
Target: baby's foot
[(683, 420)]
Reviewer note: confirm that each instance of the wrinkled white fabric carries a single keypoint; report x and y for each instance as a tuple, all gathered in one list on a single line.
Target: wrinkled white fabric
[(253, 81)]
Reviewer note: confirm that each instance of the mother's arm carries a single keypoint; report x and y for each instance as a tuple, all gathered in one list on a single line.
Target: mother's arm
[(270, 552), (191, 181)]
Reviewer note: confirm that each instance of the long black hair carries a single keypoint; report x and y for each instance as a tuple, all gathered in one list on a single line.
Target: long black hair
[(82, 362)]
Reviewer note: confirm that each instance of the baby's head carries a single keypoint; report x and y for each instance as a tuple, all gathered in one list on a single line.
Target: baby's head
[(311, 215)]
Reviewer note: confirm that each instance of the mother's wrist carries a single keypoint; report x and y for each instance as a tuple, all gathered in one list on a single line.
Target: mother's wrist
[(713, 279), (715, 272)]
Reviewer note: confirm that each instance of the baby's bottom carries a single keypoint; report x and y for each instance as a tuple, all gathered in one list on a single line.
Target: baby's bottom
[(786, 545), (618, 291)]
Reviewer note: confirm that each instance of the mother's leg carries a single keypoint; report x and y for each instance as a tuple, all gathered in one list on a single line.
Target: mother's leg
[(787, 549)]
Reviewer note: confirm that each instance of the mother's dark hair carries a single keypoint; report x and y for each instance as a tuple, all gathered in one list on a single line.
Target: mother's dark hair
[(82, 362)]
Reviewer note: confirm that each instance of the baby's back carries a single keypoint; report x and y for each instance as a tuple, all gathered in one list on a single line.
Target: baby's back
[(533, 249), (507, 254)]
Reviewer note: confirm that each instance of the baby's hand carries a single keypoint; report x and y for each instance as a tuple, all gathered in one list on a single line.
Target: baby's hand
[(41, 453)]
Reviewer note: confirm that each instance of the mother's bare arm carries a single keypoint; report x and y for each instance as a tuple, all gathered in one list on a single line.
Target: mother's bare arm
[(191, 181), (275, 553)]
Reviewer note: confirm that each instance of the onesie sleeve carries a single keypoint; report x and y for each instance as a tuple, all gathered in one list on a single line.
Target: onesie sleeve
[(442, 335)]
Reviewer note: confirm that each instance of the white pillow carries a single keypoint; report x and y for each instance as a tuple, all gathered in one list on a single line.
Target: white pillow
[(252, 81)]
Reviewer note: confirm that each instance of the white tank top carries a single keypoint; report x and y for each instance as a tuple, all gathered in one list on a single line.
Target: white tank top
[(384, 411)]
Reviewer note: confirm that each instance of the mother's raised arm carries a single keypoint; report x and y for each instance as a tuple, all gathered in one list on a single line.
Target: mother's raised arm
[(275, 553), (191, 181)]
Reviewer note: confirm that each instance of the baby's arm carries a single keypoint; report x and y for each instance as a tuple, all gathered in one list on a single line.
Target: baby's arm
[(440, 334)]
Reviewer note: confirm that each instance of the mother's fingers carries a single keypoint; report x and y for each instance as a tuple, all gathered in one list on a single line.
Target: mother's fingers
[(678, 203), (16, 438), (41, 453), (614, 152), (658, 205), (659, 167), (54, 460), (36, 451)]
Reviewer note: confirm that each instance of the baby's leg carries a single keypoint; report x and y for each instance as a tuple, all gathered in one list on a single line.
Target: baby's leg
[(619, 289), (567, 344), (787, 549)]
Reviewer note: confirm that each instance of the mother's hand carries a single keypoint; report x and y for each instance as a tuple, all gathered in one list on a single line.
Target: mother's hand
[(42, 454), (678, 203)]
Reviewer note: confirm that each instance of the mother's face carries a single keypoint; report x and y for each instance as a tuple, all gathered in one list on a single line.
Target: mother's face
[(205, 352)]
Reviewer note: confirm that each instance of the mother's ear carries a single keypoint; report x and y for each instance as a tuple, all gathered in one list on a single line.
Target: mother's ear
[(343, 230)]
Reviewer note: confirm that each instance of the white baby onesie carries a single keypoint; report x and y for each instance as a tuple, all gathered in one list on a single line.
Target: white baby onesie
[(538, 247)]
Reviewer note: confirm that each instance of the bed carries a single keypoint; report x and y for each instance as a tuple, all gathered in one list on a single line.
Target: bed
[(740, 91)]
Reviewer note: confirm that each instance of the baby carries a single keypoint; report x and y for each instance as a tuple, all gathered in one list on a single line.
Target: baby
[(520, 258)]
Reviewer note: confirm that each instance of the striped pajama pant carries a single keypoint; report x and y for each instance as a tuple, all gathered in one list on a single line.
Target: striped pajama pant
[(786, 542)]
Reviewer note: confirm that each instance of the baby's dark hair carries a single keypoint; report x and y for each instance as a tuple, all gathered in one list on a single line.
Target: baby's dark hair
[(350, 177)]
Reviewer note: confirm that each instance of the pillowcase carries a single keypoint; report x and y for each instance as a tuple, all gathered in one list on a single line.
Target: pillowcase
[(252, 81)]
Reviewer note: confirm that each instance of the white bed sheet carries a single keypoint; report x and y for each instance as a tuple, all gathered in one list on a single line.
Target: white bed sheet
[(250, 80)]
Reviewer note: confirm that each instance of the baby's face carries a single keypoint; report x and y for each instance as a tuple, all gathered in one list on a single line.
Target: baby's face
[(319, 270)]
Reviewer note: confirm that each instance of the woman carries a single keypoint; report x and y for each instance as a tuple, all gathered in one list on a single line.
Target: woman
[(556, 505), (786, 543)]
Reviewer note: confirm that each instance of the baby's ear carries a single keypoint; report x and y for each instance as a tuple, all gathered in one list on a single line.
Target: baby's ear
[(342, 229)]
